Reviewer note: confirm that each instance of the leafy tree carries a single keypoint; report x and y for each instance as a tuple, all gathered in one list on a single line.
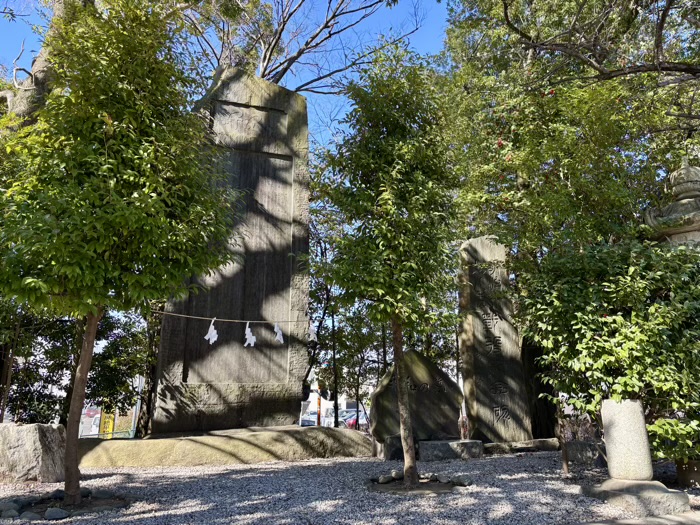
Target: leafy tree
[(107, 201), (605, 40), (620, 321), (389, 179)]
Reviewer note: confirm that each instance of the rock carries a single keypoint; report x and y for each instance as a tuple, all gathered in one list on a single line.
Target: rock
[(433, 477), (443, 450), (29, 516), (461, 480), (54, 513), (56, 494), (102, 494), (385, 478), (443, 478), (8, 505), (397, 474), (392, 448), (85, 492), (626, 440), (32, 452), (434, 398), (9, 513), (641, 498)]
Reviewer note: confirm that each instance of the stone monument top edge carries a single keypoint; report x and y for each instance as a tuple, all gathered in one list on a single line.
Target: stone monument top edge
[(258, 92)]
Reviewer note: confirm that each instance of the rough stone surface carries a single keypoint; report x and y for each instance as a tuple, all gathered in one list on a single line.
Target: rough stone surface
[(392, 449), (32, 452), (385, 478), (626, 440), (468, 448), (443, 450), (585, 453), (461, 480), (9, 513), (203, 386), (8, 505), (530, 445), (490, 352), (434, 400), (641, 498), (29, 516), (54, 513), (397, 474), (224, 447)]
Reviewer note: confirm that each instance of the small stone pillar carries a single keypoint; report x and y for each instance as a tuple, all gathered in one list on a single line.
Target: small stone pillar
[(626, 440)]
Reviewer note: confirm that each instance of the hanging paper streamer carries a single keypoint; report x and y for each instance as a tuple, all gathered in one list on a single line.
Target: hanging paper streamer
[(312, 332), (212, 334), (278, 334), (249, 337)]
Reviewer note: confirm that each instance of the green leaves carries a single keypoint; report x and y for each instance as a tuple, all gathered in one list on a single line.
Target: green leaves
[(390, 181), (620, 320), (113, 196)]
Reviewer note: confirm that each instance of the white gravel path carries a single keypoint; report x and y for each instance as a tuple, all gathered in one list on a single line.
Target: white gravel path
[(526, 489)]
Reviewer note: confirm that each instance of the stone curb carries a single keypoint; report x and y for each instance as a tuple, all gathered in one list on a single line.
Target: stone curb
[(687, 518)]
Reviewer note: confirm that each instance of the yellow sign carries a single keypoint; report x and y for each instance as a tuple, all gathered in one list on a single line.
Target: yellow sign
[(106, 425)]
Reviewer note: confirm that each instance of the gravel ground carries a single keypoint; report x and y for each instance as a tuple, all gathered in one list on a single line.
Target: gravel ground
[(525, 489)]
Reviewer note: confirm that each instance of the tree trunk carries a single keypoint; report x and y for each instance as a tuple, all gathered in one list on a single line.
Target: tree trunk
[(6, 377), (72, 483), (410, 470), (335, 374), (384, 363), (65, 406)]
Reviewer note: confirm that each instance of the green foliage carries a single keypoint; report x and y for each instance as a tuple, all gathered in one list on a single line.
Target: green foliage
[(112, 384), (46, 349), (107, 200), (677, 439), (550, 163), (620, 321), (389, 181)]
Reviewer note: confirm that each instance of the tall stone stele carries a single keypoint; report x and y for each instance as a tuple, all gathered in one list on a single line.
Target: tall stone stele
[(201, 386), (490, 352)]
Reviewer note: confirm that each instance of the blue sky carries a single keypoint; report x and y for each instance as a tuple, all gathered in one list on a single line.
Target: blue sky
[(428, 39)]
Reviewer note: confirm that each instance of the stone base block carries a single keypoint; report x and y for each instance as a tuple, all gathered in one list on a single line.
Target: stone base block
[(531, 445), (642, 498), (443, 450), (32, 452)]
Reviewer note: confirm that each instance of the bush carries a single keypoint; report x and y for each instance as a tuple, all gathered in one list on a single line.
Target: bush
[(621, 321)]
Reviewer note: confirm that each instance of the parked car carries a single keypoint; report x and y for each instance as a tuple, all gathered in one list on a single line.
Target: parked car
[(351, 421), (308, 419)]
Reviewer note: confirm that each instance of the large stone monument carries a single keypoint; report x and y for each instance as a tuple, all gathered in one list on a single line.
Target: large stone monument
[(490, 353), (203, 386)]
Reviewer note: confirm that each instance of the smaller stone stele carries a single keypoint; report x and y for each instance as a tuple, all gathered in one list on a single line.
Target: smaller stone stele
[(626, 440), (434, 400), (32, 452), (679, 222)]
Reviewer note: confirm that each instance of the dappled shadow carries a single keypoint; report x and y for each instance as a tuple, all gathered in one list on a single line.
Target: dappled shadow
[(256, 445), (201, 386), (523, 489), (499, 394)]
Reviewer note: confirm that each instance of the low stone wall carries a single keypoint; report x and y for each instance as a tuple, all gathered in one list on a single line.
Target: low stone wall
[(225, 447)]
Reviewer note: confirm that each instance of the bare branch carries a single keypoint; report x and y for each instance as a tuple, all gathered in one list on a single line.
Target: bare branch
[(659, 37)]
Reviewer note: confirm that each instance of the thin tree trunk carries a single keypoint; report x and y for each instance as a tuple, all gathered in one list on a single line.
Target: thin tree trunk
[(410, 470), (335, 374), (384, 363), (8, 377), (65, 406), (72, 483)]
